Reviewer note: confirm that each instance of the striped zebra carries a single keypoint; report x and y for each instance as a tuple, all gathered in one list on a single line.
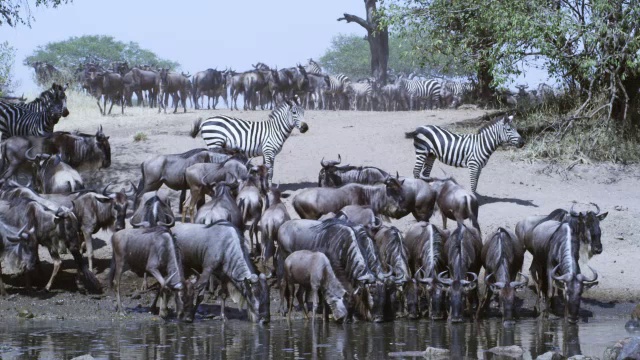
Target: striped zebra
[(459, 88), (313, 67), (36, 118), (336, 91), (468, 150), (360, 93), (254, 138), (429, 90)]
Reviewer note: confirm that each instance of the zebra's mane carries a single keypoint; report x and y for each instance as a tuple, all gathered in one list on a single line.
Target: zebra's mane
[(489, 125), (280, 111)]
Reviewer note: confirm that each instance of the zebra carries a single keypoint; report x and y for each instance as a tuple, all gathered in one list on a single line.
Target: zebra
[(430, 90), (337, 86), (459, 90), (468, 150), (254, 138), (36, 118), (361, 93), (313, 67)]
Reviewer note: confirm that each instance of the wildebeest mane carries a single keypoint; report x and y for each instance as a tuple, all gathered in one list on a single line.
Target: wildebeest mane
[(190, 153), (156, 230)]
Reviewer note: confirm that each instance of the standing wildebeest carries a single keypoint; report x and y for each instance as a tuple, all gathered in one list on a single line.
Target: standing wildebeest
[(332, 175), (52, 176), (357, 214), (425, 247), (170, 170), (313, 272), (454, 201), (467, 150), (108, 85), (462, 250), (151, 250), (419, 198), (555, 246), (18, 251), (254, 138), (176, 85), (502, 257), (272, 218), (217, 249), (208, 82), (147, 80), (222, 206), (385, 199)]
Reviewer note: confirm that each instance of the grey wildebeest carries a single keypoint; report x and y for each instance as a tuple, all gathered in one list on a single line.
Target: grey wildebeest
[(338, 241), (454, 201), (312, 272), (425, 247), (555, 246), (502, 257), (222, 206), (153, 210), (107, 85), (56, 229), (150, 250), (52, 176), (332, 175), (419, 198), (393, 256), (358, 214), (176, 85), (205, 82), (385, 199), (462, 250), (147, 80), (249, 199), (18, 251), (272, 218), (218, 250)]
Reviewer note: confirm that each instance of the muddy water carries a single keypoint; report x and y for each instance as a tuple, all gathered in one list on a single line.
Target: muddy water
[(298, 339)]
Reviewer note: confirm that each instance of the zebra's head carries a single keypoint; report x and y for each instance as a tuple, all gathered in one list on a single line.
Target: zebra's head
[(57, 100), (509, 134), (296, 114)]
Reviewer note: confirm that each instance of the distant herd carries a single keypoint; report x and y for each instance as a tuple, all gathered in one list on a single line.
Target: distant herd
[(342, 255)]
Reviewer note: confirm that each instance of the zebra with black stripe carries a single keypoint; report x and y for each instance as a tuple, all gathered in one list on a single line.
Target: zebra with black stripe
[(36, 118), (254, 138), (459, 88), (360, 93), (428, 90), (461, 150), (336, 91), (313, 67)]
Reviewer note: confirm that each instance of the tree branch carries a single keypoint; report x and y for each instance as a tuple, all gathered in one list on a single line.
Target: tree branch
[(358, 20)]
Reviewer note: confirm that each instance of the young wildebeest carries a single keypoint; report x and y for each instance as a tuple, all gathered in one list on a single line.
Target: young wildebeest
[(313, 272), (502, 257), (52, 176), (151, 250), (18, 251), (425, 246), (454, 201), (249, 199), (384, 199), (274, 216), (462, 250), (332, 175), (222, 206), (218, 249)]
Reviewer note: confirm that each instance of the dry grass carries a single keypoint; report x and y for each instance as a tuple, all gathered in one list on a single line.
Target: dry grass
[(140, 137)]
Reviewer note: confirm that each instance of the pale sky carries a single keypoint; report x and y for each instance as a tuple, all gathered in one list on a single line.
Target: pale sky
[(198, 34)]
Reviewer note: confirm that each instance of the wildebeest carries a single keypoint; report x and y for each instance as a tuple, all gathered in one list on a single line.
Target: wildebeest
[(154, 210), (149, 250), (385, 199), (146, 80), (18, 251), (249, 199), (176, 85), (419, 199), (332, 175), (502, 256), (454, 201), (425, 247), (52, 176), (108, 85), (357, 214), (272, 218), (218, 249), (313, 272), (462, 250), (222, 206), (555, 246), (393, 256), (207, 82)]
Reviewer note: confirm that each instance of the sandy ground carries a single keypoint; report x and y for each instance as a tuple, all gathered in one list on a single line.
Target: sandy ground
[(513, 188)]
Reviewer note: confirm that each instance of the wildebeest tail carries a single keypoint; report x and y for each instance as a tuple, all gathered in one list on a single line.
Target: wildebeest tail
[(411, 134), (91, 282), (473, 213), (195, 129)]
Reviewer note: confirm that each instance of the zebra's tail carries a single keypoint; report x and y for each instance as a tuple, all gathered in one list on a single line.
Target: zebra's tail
[(195, 129), (410, 135)]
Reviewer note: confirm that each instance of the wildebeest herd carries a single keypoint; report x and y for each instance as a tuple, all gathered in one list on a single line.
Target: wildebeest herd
[(342, 254)]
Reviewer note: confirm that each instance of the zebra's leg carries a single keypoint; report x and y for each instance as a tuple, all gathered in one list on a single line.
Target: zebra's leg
[(474, 174), (428, 165), (420, 159), (269, 159)]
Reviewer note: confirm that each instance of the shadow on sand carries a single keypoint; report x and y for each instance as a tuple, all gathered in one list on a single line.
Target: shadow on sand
[(486, 199)]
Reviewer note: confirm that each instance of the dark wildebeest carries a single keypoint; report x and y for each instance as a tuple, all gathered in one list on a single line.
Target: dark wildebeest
[(462, 250), (393, 256), (149, 81), (18, 251), (555, 246), (272, 218), (76, 149), (176, 85), (150, 250), (313, 272), (170, 171), (454, 201), (56, 229), (419, 198), (502, 257), (204, 82), (338, 241), (385, 199), (108, 85), (218, 249), (357, 214), (425, 247), (249, 199), (332, 175), (52, 176), (153, 210), (222, 206)]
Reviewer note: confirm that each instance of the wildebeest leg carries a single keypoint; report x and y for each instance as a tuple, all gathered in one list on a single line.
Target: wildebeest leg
[(100, 107), (301, 300), (3, 292), (536, 281), (183, 196), (549, 292), (484, 304), (56, 267), (156, 274), (183, 95), (117, 277), (88, 242), (314, 301), (444, 219)]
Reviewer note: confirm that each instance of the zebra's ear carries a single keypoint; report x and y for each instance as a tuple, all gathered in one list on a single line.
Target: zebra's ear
[(509, 119)]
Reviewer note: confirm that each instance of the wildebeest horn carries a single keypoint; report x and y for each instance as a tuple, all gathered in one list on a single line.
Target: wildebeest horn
[(134, 190), (597, 208), (475, 278), (584, 279), (169, 224), (523, 283), (423, 279), (104, 191), (166, 281), (564, 278), (573, 213), (140, 224), (27, 156), (377, 223), (384, 275), (442, 280), (366, 278)]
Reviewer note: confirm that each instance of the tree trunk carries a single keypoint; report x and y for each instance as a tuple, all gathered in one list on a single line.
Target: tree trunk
[(485, 77), (378, 38)]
